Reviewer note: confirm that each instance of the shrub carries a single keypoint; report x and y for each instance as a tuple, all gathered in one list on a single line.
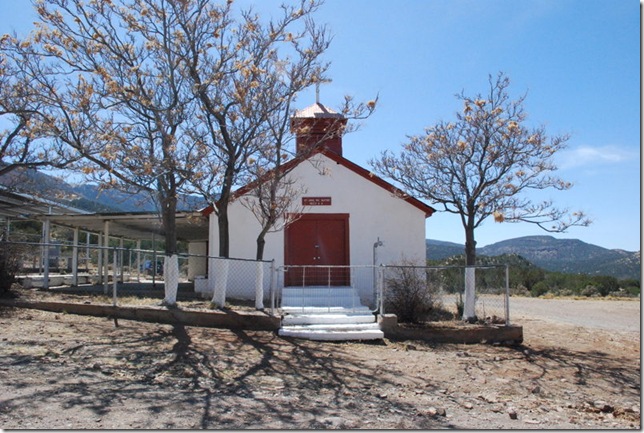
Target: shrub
[(541, 288), (590, 290), (409, 294), (9, 265), (565, 292)]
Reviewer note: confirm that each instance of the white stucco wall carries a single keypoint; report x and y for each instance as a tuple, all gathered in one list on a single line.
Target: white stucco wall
[(374, 212)]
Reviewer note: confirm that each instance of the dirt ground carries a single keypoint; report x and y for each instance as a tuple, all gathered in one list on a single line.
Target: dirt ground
[(63, 371)]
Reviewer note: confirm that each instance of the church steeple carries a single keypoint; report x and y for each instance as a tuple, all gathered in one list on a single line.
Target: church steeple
[(317, 125)]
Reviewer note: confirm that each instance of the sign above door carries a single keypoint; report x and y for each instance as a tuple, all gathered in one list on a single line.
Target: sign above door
[(316, 201)]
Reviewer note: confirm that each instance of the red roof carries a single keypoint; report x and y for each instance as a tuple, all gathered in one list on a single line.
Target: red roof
[(366, 174)]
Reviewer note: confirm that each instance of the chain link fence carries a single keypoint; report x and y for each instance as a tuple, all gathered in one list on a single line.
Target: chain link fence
[(353, 288), (413, 292), (129, 276)]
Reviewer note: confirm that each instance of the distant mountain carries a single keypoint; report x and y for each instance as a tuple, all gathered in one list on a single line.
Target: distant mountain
[(439, 250), (559, 255), (88, 197)]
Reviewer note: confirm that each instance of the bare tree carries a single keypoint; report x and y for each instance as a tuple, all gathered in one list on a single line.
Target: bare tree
[(482, 163), (21, 142), (166, 96), (113, 94), (244, 70)]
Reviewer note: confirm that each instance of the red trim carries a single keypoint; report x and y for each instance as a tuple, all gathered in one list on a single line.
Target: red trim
[(366, 174)]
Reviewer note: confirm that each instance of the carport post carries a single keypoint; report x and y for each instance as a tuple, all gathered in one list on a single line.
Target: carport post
[(87, 256), (138, 260), (75, 259), (99, 265), (122, 265), (106, 262)]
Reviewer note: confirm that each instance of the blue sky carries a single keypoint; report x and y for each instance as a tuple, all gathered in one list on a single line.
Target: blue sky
[(578, 61)]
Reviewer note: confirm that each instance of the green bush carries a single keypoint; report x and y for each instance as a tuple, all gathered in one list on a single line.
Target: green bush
[(540, 288)]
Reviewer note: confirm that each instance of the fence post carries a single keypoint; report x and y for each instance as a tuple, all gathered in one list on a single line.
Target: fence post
[(469, 311), (259, 286), (507, 295), (114, 280), (75, 258), (381, 289), (46, 236), (273, 286)]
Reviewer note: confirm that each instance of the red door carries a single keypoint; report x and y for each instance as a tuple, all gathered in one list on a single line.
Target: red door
[(312, 242)]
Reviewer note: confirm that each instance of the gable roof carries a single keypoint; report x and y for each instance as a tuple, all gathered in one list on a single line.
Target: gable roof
[(366, 174)]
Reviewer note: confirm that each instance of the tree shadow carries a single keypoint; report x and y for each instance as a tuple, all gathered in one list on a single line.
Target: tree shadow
[(209, 378), (606, 372)]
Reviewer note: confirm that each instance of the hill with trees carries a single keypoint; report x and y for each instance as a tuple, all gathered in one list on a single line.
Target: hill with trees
[(529, 279), (570, 256)]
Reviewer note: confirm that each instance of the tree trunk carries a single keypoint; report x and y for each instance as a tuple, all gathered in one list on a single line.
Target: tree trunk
[(171, 260), (222, 215), (169, 221), (470, 246), (224, 233), (260, 248), (261, 243)]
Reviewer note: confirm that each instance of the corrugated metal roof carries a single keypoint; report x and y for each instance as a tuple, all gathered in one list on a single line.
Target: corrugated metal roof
[(190, 226), (22, 205)]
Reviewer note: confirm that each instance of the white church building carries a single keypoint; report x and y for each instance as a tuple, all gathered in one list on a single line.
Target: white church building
[(346, 219)]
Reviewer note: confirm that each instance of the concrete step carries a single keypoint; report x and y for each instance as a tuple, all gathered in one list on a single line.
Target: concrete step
[(329, 318), (325, 310), (318, 290), (346, 297), (333, 332), (322, 303)]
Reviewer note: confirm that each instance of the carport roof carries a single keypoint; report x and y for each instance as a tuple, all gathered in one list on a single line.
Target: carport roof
[(15, 204), (191, 226)]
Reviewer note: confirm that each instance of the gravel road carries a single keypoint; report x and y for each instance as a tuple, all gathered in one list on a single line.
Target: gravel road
[(609, 315)]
